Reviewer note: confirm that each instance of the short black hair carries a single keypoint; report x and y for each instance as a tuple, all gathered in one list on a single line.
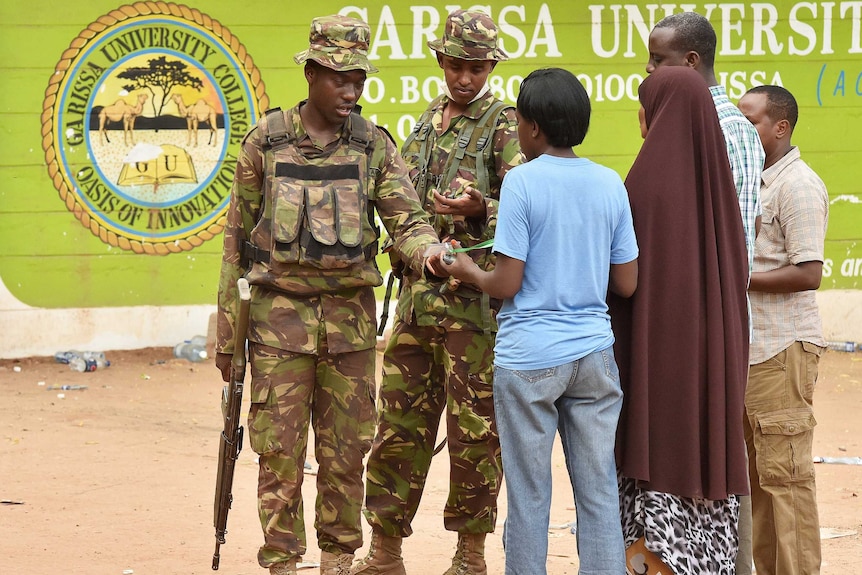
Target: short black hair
[(557, 101), (780, 104), (693, 33)]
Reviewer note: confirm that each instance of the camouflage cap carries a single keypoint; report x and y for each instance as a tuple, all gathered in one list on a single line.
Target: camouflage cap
[(339, 43), (469, 35)]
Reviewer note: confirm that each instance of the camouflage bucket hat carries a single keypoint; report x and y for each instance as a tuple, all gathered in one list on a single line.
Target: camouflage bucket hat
[(469, 36), (339, 43)]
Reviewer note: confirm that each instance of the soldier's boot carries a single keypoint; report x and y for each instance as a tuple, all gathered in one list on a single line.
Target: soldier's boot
[(332, 564), (469, 556), (284, 567), (384, 557)]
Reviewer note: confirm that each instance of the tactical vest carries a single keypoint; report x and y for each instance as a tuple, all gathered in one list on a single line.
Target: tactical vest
[(317, 212), (471, 154), (472, 144)]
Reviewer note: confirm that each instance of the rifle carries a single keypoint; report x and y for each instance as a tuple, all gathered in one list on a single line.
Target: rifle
[(230, 443)]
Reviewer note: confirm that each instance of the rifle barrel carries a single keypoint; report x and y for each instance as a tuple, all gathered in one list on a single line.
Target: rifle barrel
[(230, 442)]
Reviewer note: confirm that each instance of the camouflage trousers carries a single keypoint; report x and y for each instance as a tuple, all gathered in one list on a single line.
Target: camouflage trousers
[(335, 393), (427, 370)]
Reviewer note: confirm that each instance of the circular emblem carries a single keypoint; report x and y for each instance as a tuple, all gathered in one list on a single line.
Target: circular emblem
[(142, 122)]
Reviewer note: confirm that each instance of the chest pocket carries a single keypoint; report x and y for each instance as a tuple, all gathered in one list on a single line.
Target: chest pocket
[(771, 233), (317, 215)]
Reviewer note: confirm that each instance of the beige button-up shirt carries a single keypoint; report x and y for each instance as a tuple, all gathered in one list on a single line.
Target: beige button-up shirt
[(793, 230)]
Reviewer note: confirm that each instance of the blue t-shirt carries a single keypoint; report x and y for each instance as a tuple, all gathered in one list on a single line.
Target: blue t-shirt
[(568, 219)]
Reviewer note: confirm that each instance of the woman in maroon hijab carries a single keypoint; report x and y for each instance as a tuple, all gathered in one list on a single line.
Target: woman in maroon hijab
[(682, 339)]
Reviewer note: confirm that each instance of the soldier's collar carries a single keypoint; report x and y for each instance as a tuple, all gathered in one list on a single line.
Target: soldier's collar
[(299, 128), (478, 106), (475, 109)]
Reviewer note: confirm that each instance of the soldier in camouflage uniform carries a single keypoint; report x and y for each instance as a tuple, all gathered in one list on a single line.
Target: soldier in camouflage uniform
[(440, 355), (300, 228)]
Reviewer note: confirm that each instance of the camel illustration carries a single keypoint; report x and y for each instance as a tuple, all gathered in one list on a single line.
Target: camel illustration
[(199, 112), (122, 111)]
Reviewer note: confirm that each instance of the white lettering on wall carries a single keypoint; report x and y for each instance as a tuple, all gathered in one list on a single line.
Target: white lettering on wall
[(731, 28), (386, 24), (545, 26), (804, 29), (513, 32), (743, 28), (637, 24), (765, 19), (374, 90), (827, 27), (428, 23), (851, 267), (854, 8), (738, 83), (596, 29), (423, 34)]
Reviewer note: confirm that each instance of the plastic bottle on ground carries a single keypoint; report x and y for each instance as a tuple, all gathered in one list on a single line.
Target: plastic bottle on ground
[(66, 356), (200, 340), (839, 460), (97, 356), (79, 363), (191, 351), (82, 360), (849, 346)]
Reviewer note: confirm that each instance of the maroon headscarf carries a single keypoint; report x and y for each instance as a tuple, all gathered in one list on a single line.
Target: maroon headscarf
[(682, 339)]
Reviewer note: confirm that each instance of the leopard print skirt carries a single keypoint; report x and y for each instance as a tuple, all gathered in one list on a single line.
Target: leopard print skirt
[(692, 536)]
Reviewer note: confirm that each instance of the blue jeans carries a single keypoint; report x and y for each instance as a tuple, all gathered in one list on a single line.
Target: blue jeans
[(582, 399)]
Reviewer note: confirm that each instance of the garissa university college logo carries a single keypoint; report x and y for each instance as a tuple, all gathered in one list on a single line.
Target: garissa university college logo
[(142, 122)]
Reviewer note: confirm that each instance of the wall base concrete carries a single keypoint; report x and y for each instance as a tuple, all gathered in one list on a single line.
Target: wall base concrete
[(40, 332), (28, 331), (841, 311)]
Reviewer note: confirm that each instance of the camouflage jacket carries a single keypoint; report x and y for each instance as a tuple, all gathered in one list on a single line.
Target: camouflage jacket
[(424, 298), (296, 306)]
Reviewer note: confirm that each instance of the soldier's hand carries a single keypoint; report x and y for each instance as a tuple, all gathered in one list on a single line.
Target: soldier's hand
[(433, 265), (397, 264), (470, 204), (223, 364), (460, 269)]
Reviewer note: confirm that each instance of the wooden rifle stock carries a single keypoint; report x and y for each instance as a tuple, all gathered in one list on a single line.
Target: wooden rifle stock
[(230, 443)]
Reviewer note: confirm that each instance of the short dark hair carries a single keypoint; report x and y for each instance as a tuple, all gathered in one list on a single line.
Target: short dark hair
[(693, 33), (780, 104), (557, 101)]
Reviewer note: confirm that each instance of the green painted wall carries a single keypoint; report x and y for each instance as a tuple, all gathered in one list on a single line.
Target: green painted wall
[(49, 259)]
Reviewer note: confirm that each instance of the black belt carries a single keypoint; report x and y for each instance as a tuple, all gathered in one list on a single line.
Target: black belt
[(252, 253)]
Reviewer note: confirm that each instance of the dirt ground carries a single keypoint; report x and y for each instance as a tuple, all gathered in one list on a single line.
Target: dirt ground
[(119, 477)]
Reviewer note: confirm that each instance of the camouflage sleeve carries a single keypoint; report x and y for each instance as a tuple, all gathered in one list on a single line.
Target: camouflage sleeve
[(399, 207), (507, 155), (242, 214)]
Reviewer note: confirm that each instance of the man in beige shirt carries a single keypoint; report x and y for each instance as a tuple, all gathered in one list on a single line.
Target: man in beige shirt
[(788, 341)]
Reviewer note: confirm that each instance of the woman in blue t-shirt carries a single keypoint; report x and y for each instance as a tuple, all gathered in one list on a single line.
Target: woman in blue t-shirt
[(564, 237)]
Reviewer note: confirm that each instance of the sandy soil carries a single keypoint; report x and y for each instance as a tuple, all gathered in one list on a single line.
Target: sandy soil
[(119, 477)]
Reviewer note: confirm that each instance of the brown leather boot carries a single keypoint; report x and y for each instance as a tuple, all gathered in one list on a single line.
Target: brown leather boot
[(332, 564), (284, 567), (469, 556), (384, 557)]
